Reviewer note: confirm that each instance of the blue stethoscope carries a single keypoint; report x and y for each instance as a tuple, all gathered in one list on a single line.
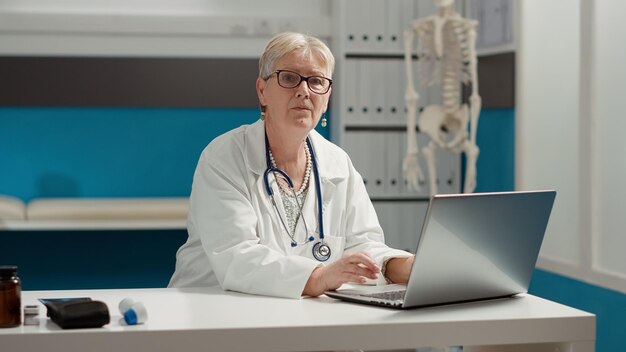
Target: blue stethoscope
[(321, 251)]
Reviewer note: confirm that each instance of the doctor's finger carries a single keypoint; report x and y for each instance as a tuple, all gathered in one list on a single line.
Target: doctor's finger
[(346, 277), (364, 260), (358, 271)]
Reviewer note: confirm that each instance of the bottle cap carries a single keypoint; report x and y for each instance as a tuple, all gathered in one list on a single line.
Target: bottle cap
[(136, 314), (31, 310), (8, 270), (125, 304)]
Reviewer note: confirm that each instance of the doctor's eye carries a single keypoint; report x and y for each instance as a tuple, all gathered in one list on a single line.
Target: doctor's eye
[(316, 81), (288, 79)]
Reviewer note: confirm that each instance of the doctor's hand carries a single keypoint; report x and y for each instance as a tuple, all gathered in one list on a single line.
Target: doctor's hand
[(398, 269), (356, 268)]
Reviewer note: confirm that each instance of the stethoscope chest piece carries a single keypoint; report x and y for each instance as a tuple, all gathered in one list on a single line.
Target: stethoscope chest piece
[(321, 251)]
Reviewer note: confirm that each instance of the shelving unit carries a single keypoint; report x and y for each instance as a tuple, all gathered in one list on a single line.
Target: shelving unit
[(369, 114)]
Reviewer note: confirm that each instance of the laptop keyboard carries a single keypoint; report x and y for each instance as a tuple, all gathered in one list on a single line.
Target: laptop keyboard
[(390, 295)]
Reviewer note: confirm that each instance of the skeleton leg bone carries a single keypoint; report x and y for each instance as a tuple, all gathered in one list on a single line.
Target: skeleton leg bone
[(429, 154), (471, 156), (410, 166)]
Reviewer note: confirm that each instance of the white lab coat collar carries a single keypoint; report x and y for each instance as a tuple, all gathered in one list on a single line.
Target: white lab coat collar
[(255, 153), (254, 145)]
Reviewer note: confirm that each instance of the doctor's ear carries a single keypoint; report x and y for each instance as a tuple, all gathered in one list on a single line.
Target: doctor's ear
[(260, 90)]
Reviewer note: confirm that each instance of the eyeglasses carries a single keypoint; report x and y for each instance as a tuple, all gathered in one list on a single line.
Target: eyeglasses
[(290, 79)]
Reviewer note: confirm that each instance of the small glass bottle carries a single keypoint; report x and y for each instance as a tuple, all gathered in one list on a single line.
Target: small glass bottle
[(10, 297)]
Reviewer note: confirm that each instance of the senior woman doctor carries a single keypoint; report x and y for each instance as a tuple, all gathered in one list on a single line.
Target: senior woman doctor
[(243, 239)]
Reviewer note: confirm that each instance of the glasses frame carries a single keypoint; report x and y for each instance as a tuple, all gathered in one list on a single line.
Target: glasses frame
[(302, 78)]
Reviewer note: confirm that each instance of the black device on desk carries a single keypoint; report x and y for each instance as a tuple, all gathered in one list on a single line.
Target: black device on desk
[(76, 313)]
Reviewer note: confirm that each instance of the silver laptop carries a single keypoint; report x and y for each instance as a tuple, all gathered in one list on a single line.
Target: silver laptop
[(472, 247)]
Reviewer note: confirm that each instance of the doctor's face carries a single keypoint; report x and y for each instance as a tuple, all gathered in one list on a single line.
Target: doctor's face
[(299, 107)]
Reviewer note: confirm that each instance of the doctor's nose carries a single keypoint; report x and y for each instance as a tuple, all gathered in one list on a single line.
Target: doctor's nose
[(303, 90)]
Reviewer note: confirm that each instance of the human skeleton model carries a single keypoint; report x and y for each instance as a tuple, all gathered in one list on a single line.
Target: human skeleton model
[(446, 50)]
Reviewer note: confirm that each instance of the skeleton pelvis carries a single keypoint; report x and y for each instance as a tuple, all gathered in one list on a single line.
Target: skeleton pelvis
[(443, 127)]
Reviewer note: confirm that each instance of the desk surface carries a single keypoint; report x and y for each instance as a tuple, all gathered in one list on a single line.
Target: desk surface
[(194, 319)]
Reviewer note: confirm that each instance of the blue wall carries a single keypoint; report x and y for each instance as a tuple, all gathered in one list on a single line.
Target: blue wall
[(90, 152), (72, 152), (95, 152), (608, 306), (496, 139)]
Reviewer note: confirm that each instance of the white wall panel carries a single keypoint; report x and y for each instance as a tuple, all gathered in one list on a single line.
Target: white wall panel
[(608, 141), (547, 116), (570, 132), (171, 7), (213, 28)]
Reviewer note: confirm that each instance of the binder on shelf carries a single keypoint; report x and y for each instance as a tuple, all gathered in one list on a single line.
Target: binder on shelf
[(355, 25), (366, 80), (427, 8), (351, 91), (355, 142), (400, 13), (447, 165), (385, 219), (378, 85), (395, 91), (374, 34), (375, 149), (393, 175), (400, 222)]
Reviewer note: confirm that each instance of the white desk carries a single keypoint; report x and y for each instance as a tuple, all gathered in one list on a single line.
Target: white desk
[(209, 319)]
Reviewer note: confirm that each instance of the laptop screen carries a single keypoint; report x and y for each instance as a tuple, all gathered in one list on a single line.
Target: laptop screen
[(479, 245)]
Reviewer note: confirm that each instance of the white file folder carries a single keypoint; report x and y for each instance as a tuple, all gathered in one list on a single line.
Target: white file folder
[(355, 142), (395, 91), (374, 25), (447, 165), (400, 13), (374, 146), (378, 86), (366, 81), (393, 176), (350, 90), (425, 8), (400, 222), (355, 25)]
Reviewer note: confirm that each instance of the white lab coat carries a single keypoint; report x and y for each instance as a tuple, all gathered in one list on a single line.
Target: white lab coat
[(236, 239)]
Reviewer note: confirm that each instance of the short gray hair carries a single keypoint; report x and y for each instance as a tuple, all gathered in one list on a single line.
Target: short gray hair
[(286, 43)]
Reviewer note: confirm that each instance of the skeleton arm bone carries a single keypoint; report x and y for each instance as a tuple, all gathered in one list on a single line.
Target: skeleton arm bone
[(475, 100), (412, 172)]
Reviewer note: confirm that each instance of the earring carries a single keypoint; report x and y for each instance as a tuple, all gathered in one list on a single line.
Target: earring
[(324, 121), (262, 109)]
